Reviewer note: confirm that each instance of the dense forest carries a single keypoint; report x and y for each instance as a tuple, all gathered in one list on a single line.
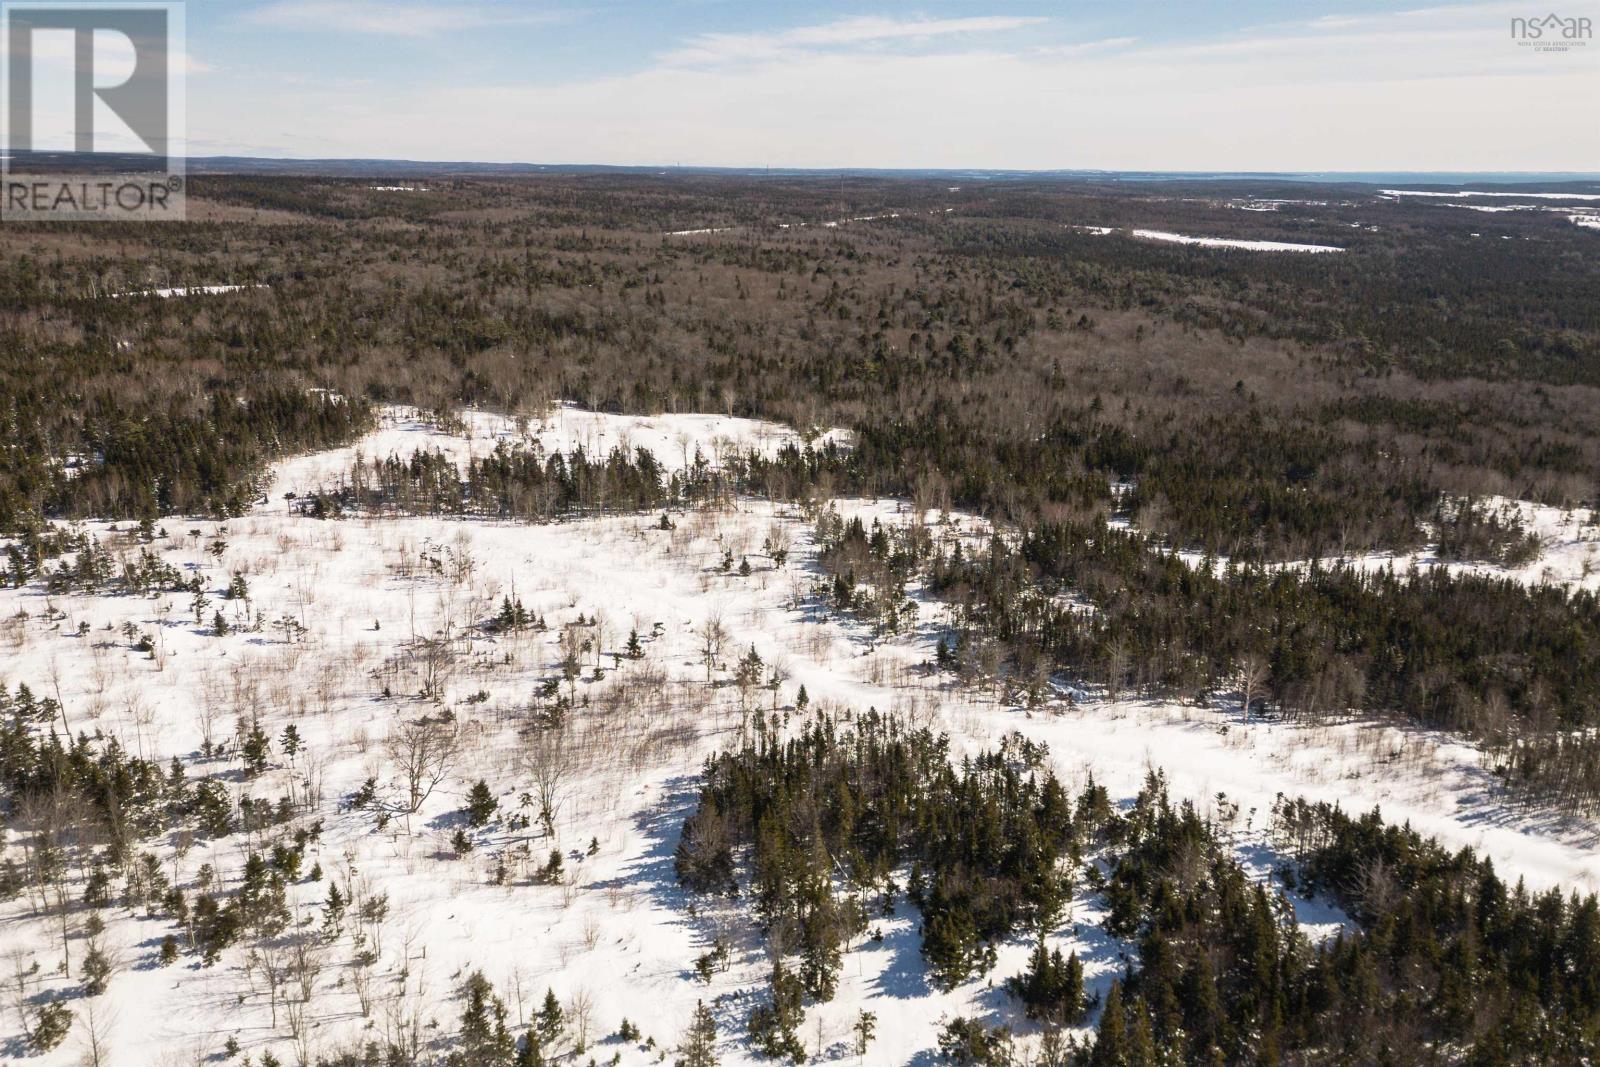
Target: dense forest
[(1255, 404)]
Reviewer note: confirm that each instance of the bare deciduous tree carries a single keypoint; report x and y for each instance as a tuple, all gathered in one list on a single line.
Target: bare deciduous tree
[(1253, 673), (94, 1038), (550, 762), (435, 659), (713, 635), (424, 751)]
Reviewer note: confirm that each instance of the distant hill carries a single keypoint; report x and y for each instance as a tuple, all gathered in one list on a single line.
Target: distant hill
[(45, 162)]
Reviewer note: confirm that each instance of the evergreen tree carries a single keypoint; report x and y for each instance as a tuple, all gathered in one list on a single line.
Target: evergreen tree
[(699, 1047), (485, 1041), (96, 968), (333, 911), (481, 804), (289, 742), (531, 1052), (551, 1022), (255, 750), (950, 945), (865, 1026), (775, 1026), (1050, 989), (1111, 1042)]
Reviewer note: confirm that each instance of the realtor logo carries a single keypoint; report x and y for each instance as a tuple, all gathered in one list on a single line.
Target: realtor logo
[(93, 111), (1552, 33)]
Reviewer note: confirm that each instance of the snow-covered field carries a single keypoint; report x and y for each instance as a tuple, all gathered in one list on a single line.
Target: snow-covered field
[(1270, 204), (1214, 242), (1569, 549), (674, 440), (358, 614), (827, 224), (1229, 242), (1465, 193), (192, 290), (1569, 553)]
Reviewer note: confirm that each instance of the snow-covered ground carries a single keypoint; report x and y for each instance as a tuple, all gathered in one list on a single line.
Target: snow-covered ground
[(1230, 242), (1569, 553), (827, 224), (345, 604), (1569, 549), (675, 440), (191, 290), (1270, 204), (1465, 193)]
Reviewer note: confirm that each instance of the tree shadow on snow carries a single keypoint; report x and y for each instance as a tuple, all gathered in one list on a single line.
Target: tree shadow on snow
[(655, 874)]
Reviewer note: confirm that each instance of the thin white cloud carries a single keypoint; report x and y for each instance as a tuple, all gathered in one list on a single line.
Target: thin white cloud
[(386, 19), (844, 33), (1084, 47)]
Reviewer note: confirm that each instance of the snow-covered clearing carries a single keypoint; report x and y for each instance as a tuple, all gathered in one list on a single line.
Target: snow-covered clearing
[(675, 440), (1569, 550), (827, 224), (1464, 193), (1230, 242), (1270, 204), (357, 614), (191, 290)]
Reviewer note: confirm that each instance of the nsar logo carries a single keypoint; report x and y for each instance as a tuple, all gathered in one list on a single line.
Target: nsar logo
[(1552, 33)]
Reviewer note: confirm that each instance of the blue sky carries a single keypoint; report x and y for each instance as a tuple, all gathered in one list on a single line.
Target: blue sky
[(1196, 84)]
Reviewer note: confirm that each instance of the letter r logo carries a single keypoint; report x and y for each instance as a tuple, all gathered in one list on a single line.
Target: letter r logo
[(140, 101)]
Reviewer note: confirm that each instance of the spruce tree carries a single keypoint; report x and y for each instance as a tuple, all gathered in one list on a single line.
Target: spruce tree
[(699, 1047), (481, 804), (333, 911), (96, 968), (255, 750), (865, 1026), (1111, 1039), (531, 1052), (775, 1026), (552, 1021), (950, 945), (485, 1039)]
